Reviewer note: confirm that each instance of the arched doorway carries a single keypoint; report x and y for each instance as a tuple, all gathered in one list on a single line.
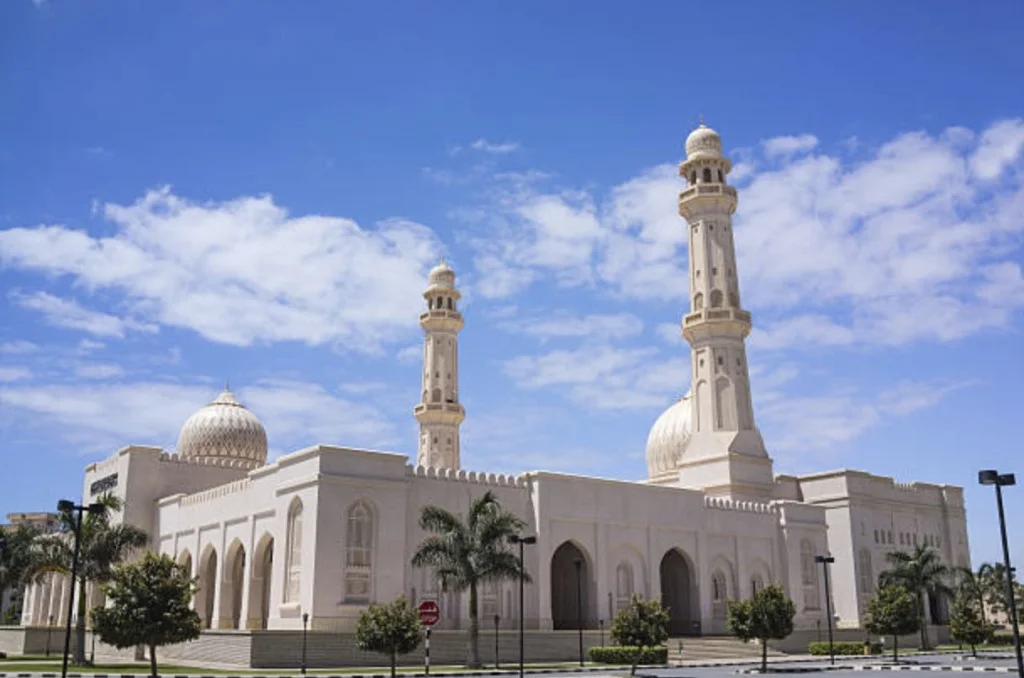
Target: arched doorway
[(207, 588), (570, 588), (677, 593), (259, 586), (234, 585)]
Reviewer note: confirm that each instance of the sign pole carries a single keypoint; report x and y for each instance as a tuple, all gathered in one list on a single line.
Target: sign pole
[(429, 613), (426, 655)]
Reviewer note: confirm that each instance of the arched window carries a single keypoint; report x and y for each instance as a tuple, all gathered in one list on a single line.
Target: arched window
[(716, 298), (707, 175), (359, 553), (756, 584), (719, 594), (698, 301), (721, 179), (623, 585), (809, 575), (865, 572), (293, 554)]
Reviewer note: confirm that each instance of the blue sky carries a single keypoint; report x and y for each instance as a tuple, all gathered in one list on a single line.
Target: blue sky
[(196, 192)]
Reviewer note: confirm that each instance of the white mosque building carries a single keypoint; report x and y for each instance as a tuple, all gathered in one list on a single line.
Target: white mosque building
[(326, 530)]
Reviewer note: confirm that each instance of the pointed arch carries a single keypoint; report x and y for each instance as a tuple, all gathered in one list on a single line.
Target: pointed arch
[(207, 589), (809, 576), (572, 604), (678, 591), (865, 572), (259, 583), (233, 584), (293, 552), (360, 539)]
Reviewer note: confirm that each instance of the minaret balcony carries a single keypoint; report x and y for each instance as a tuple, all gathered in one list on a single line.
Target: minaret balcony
[(707, 189), (452, 413), (695, 201), (441, 319), (714, 320)]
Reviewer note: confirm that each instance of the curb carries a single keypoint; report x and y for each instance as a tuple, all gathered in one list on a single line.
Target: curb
[(989, 669), (433, 674)]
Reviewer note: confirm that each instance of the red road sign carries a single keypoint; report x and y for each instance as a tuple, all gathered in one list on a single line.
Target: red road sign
[(430, 613)]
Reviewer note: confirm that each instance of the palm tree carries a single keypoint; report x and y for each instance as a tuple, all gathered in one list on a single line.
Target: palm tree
[(468, 554), (922, 573), (993, 576), (15, 555), (101, 546), (970, 585)]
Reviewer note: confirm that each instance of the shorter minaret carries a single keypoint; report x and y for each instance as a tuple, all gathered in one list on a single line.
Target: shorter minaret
[(439, 412)]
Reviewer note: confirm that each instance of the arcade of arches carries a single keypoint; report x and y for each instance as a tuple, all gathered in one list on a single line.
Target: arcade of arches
[(232, 586), (574, 594)]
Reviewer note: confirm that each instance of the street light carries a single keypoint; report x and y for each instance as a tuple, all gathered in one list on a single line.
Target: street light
[(522, 541), (825, 560), (579, 602), (305, 620), (67, 506), (1005, 480)]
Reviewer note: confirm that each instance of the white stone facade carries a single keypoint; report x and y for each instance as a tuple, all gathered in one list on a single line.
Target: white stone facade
[(327, 530)]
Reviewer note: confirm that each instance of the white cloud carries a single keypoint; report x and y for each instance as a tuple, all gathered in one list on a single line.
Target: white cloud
[(605, 377), (101, 417), (14, 373), (18, 347), (98, 371), (670, 333), (885, 250), (68, 313), (789, 145), (563, 324), (244, 270), (1001, 145), (410, 355), (496, 148)]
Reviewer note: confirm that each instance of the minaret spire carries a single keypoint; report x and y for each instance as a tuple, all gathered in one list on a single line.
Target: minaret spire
[(725, 453), (439, 412)]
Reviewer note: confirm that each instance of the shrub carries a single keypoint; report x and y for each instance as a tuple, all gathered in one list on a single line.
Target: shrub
[(1001, 639), (618, 654), (843, 648)]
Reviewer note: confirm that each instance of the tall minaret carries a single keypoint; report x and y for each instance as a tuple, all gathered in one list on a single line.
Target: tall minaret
[(725, 454), (439, 412)]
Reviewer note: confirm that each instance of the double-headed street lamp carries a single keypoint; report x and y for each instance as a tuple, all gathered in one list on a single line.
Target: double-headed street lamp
[(305, 621), (68, 506), (579, 602), (522, 541), (1001, 480), (825, 561)]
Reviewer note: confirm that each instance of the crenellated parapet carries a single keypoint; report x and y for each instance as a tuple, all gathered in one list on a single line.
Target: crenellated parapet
[(215, 493), (464, 476), (729, 504)]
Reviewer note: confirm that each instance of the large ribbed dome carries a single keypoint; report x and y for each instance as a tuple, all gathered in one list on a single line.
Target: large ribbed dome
[(224, 430), (668, 438)]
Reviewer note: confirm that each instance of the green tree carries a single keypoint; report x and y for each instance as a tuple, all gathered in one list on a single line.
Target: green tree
[(766, 616), (148, 605), (103, 544), (993, 576), (892, 610), (921, 572), (392, 629), (641, 624), (966, 623), (467, 554), (971, 585), (16, 549)]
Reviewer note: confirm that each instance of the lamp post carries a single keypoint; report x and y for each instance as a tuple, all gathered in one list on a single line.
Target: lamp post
[(579, 602), (600, 626), (1001, 480), (497, 657), (305, 620), (522, 541), (825, 560), (67, 506)]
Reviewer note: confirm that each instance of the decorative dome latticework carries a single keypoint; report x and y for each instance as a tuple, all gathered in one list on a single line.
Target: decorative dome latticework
[(703, 142), (224, 430), (442, 275), (668, 438)]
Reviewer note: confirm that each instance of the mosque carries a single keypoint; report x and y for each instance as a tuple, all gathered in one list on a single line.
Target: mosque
[(326, 530)]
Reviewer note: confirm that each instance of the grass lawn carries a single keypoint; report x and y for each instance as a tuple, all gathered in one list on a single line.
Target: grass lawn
[(22, 665)]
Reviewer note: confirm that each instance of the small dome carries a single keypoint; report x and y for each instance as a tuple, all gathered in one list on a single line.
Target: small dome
[(703, 142), (442, 275), (225, 430), (668, 438)]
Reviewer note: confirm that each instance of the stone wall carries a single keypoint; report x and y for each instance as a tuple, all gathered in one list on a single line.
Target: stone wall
[(798, 641)]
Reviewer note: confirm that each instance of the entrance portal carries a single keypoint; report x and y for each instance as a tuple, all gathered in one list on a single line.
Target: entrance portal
[(676, 587)]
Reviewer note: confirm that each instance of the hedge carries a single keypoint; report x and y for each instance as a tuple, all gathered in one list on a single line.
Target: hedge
[(1001, 639), (620, 654), (843, 648)]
